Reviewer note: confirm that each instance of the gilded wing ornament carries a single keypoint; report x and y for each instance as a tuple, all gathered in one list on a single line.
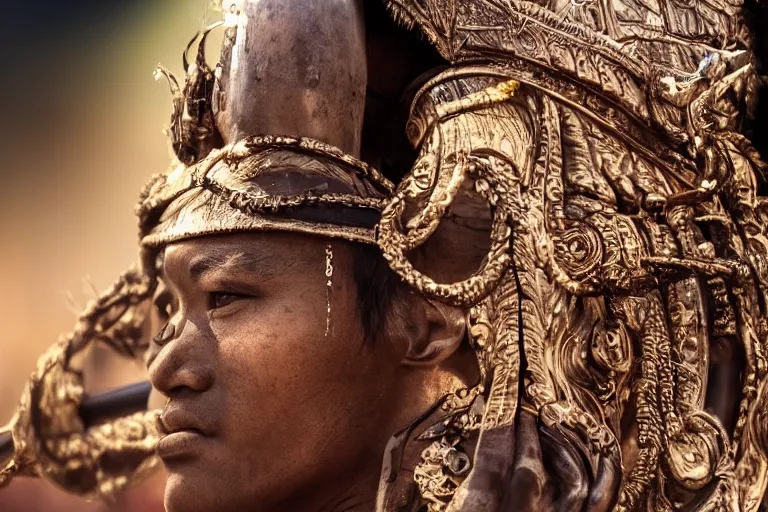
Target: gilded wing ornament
[(636, 277)]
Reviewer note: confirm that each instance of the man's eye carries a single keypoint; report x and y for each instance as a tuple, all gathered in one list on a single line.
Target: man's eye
[(221, 299)]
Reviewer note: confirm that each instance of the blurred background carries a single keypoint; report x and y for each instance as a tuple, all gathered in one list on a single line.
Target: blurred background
[(81, 130)]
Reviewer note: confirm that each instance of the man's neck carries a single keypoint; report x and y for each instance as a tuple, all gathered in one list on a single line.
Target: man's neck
[(359, 496)]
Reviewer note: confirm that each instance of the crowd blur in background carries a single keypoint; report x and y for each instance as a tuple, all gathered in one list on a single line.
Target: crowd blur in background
[(81, 130)]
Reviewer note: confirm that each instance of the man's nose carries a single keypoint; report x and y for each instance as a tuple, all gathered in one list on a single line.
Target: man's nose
[(179, 362)]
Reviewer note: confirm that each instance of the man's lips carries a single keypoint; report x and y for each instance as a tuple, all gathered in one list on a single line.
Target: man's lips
[(182, 443), (184, 432), (177, 418)]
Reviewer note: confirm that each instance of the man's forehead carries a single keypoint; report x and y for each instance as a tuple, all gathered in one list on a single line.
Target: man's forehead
[(261, 253)]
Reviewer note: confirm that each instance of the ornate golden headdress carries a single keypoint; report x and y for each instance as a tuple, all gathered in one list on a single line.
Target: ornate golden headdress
[(586, 158)]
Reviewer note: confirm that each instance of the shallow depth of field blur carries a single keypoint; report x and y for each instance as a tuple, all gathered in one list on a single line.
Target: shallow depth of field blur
[(81, 121)]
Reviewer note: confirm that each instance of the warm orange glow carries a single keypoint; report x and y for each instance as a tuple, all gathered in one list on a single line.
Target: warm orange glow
[(74, 164)]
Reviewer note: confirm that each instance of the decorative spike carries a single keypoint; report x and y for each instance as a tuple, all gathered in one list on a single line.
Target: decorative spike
[(184, 57), (201, 47), (161, 72), (72, 305), (90, 287)]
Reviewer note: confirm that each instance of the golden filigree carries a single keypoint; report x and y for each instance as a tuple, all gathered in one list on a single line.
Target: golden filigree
[(49, 437)]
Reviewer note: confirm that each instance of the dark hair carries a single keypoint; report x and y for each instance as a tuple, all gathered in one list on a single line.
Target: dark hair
[(378, 288)]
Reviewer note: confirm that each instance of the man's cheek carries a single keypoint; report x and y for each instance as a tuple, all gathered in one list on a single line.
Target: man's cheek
[(264, 369)]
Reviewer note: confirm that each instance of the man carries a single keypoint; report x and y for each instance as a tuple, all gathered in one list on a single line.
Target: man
[(560, 307), (277, 394)]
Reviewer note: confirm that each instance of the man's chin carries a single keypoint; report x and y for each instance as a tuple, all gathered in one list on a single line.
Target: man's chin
[(190, 491), (207, 486), (192, 476)]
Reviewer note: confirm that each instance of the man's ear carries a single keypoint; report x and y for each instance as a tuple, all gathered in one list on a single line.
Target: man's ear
[(438, 336)]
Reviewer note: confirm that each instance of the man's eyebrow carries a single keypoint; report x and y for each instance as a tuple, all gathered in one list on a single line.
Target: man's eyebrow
[(259, 265)]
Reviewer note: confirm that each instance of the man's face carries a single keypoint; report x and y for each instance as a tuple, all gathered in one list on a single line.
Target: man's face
[(274, 395)]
